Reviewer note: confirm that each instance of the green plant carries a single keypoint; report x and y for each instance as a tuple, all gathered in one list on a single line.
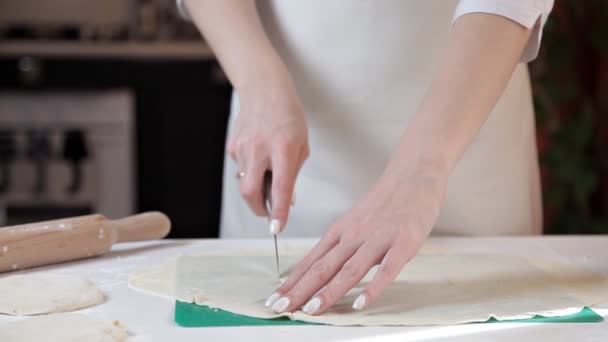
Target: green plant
[(570, 79)]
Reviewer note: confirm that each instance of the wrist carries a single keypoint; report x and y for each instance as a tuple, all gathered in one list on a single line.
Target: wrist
[(264, 75), (431, 144), (416, 158), (259, 97)]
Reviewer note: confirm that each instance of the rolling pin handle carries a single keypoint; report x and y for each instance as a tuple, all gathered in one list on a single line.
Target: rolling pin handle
[(146, 226)]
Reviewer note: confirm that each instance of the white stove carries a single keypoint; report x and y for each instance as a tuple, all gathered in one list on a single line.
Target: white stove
[(66, 153)]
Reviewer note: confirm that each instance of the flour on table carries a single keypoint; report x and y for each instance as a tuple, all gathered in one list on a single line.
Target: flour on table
[(63, 328), (433, 289), (34, 294)]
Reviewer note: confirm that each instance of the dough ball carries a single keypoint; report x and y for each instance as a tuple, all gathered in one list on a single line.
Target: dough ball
[(63, 328), (34, 294)]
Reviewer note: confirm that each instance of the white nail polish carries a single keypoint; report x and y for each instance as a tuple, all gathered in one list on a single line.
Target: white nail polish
[(359, 302), (280, 305), (275, 227), (312, 306), (273, 298)]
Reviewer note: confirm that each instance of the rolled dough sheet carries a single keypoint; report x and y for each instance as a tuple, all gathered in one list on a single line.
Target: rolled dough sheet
[(63, 328), (40, 293), (433, 289)]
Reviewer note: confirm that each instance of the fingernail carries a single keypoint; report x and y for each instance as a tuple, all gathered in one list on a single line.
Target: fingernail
[(273, 298), (280, 305), (359, 302), (275, 226), (312, 306)]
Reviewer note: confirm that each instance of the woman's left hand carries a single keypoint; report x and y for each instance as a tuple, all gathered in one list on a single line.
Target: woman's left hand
[(387, 226)]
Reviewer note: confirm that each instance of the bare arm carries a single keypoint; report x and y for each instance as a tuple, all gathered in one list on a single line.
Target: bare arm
[(477, 64), (270, 132), (235, 33)]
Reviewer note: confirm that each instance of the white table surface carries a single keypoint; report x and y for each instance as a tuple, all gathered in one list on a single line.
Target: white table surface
[(150, 318)]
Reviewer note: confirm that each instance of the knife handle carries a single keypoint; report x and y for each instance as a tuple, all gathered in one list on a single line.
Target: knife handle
[(268, 192)]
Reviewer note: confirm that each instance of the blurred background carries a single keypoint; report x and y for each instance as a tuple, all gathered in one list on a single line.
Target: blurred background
[(570, 84), (119, 106)]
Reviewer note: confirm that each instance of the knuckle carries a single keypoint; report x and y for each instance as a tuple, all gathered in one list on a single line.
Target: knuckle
[(248, 191), (306, 152), (304, 265), (230, 148), (332, 235), (321, 271), (283, 149), (351, 271), (390, 269), (238, 145), (286, 145), (286, 139), (349, 237), (232, 155), (410, 236), (256, 144), (387, 269), (251, 145)]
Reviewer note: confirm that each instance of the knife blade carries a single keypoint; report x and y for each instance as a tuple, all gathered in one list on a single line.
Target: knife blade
[(268, 205)]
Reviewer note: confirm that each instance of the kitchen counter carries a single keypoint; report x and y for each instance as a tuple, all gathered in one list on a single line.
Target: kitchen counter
[(150, 318), (181, 50)]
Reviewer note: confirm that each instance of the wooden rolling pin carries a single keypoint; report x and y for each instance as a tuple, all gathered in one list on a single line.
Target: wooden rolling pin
[(49, 242)]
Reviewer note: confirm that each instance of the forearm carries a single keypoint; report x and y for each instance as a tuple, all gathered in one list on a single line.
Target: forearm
[(234, 31), (481, 53)]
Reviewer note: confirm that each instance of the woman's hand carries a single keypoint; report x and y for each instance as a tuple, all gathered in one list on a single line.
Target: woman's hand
[(391, 222), (387, 226), (270, 133)]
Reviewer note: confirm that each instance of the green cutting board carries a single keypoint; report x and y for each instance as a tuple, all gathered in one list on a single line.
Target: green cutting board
[(193, 315)]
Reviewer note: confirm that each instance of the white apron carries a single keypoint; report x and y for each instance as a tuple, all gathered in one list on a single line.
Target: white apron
[(361, 69)]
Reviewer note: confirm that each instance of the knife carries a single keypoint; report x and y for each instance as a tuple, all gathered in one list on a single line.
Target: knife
[(268, 205)]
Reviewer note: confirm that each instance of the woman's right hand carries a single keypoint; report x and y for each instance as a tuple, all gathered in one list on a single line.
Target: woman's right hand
[(269, 133)]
